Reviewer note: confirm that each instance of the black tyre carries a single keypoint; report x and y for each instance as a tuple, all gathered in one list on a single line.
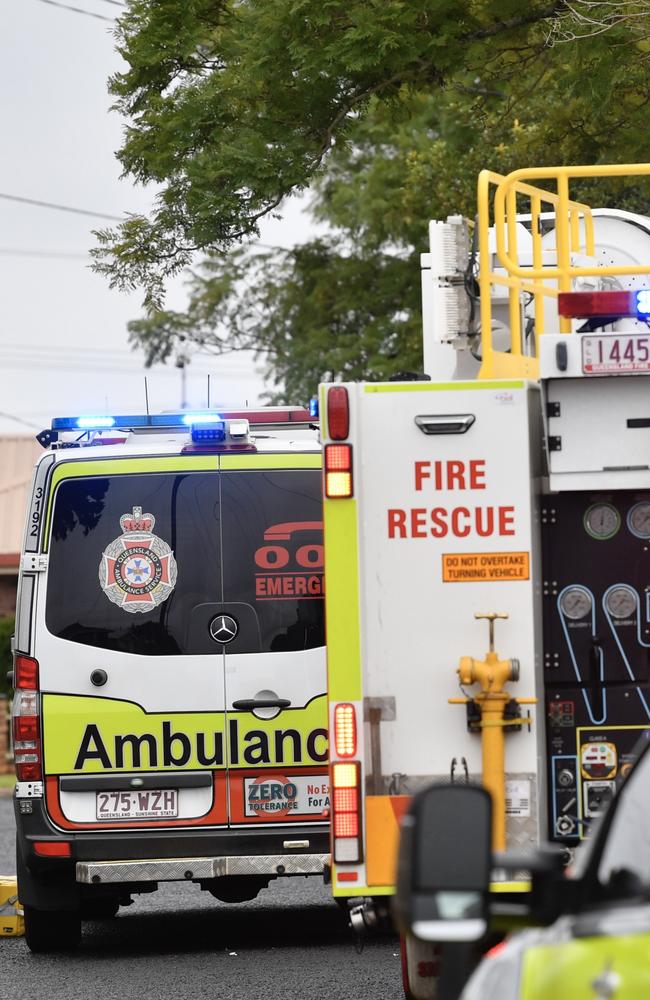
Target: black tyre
[(99, 909), (52, 930)]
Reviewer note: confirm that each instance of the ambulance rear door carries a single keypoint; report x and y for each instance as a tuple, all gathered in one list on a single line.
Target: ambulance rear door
[(272, 634), (132, 700)]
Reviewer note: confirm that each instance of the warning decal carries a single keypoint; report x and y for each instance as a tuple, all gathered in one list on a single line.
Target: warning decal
[(483, 567)]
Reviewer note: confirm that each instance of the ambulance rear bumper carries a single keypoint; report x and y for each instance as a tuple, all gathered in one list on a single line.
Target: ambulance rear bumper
[(191, 869)]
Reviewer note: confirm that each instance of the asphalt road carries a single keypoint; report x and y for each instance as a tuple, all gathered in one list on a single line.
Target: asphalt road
[(291, 942)]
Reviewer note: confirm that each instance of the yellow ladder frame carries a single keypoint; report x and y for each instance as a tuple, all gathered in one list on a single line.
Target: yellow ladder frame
[(574, 231)]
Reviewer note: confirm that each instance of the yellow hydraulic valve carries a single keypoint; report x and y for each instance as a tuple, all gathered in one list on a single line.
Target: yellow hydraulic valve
[(493, 674)]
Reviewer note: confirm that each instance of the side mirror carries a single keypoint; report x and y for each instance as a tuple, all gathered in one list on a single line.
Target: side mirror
[(444, 864)]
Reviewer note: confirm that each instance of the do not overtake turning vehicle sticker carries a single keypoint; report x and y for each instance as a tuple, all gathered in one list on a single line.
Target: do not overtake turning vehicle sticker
[(138, 570)]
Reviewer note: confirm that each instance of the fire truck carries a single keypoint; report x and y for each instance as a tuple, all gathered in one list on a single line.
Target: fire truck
[(487, 530)]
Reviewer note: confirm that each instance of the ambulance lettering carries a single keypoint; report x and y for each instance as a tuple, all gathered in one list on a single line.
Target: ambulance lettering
[(290, 571), (166, 746), (483, 521)]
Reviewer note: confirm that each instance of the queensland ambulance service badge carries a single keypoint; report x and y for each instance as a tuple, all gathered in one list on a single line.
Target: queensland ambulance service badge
[(138, 570)]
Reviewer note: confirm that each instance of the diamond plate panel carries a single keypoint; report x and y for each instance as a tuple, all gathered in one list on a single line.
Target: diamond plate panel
[(187, 869), (522, 832)]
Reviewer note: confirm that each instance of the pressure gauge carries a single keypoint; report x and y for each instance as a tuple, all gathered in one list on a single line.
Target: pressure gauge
[(638, 520), (576, 603), (621, 602), (602, 521)]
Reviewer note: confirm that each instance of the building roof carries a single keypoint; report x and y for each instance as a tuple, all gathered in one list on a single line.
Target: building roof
[(17, 457)]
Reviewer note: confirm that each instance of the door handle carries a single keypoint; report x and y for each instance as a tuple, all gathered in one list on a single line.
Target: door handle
[(250, 704), (451, 423)]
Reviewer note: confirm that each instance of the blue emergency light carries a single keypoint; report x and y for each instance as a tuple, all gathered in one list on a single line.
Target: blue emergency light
[(189, 419), (132, 421), (313, 407), (643, 302), (94, 423)]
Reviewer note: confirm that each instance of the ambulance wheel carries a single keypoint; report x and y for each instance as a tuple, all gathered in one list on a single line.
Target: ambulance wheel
[(52, 930)]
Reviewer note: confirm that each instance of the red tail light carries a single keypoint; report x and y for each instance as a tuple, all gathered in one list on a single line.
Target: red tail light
[(346, 825), (338, 471), (338, 413), (345, 731), (26, 721), (346, 812), (25, 673)]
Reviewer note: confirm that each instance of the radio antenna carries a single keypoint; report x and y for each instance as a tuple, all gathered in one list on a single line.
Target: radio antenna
[(146, 395), (208, 390)]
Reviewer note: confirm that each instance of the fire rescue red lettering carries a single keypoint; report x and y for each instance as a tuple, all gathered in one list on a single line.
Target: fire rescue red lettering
[(450, 475), (457, 522), (418, 522)]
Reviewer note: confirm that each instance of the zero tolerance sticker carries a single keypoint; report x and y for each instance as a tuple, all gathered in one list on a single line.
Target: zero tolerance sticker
[(138, 570)]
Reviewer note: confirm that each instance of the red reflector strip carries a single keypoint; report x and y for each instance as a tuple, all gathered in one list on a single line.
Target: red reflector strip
[(347, 876), (53, 848), (582, 305), (345, 730), (338, 413), (346, 824), (25, 673)]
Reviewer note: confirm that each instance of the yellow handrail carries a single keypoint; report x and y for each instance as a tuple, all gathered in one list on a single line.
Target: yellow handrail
[(574, 234)]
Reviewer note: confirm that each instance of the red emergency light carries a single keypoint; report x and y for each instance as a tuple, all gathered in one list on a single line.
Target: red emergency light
[(585, 305)]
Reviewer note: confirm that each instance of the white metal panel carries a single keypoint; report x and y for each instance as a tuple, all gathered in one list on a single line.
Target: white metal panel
[(155, 683), (298, 675), (593, 426), (415, 627)]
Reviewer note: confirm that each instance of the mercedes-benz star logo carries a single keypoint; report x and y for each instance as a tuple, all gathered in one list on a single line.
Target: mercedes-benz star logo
[(223, 628)]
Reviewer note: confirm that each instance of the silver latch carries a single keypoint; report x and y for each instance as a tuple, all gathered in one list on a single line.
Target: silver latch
[(32, 562)]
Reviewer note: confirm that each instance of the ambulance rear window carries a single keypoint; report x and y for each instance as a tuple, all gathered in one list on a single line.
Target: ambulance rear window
[(144, 563)]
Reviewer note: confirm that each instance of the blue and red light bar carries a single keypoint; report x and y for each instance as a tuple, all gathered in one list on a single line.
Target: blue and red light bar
[(183, 420), (610, 304)]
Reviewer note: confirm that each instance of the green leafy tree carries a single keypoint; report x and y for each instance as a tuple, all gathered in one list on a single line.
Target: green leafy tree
[(389, 110), (234, 104)]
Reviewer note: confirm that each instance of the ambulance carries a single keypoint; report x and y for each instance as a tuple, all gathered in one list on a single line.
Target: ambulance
[(169, 717), (487, 530)]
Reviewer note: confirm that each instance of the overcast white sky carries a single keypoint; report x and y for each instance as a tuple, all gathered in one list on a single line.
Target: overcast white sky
[(63, 338)]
